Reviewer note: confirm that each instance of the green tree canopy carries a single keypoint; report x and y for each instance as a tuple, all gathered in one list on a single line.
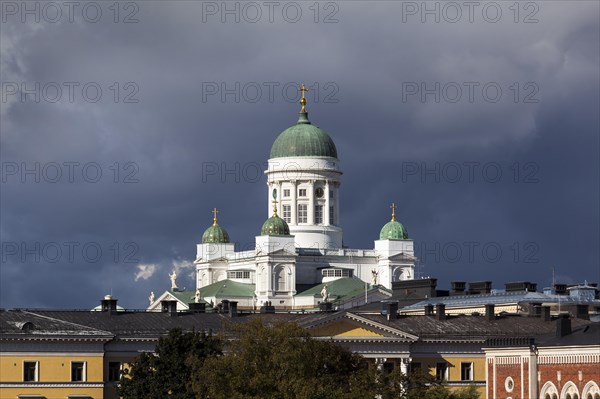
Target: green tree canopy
[(284, 362), (281, 361), (167, 372)]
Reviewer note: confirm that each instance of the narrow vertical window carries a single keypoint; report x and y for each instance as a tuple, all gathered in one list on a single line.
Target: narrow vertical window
[(302, 213), (30, 371), (318, 214), (77, 371), (331, 217), (287, 213), (466, 371), (440, 371), (114, 371)]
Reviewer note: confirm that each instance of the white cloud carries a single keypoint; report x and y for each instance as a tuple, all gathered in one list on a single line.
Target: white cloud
[(145, 271)]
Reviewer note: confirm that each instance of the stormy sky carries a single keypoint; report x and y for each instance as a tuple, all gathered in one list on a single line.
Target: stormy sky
[(124, 123)]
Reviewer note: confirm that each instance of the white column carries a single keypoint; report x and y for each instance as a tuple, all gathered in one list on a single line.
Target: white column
[(269, 197), (311, 202), (294, 203), (336, 201), (404, 366), (326, 210), (279, 197)]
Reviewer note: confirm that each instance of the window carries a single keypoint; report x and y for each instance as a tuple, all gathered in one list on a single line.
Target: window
[(302, 213), (77, 371), (280, 279), (239, 274), (440, 371), (302, 192), (331, 218), (509, 384), (318, 214), (337, 273), (287, 213), (286, 192), (466, 371), (330, 193), (30, 371), (114, 371)]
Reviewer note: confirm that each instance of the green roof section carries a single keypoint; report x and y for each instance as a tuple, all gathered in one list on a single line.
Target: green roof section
[(303, 140), (339, 289), (215, 234), (275, 226), (393, 230), (228, 289), (185, 296)]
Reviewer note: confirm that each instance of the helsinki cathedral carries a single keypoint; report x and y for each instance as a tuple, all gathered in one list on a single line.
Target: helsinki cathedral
[(298, 261)]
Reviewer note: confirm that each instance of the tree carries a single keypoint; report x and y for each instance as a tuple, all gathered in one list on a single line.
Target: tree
[(420, 385), (282, 362), (167, 372)]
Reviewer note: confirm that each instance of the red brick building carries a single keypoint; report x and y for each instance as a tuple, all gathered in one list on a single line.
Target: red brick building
[(563, 366)]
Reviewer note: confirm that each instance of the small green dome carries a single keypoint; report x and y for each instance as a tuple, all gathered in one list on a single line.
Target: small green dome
[(303, 140), (215, 234), (275, 226), (393, 230)]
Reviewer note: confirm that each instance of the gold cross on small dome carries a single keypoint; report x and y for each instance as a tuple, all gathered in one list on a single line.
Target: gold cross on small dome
[(303, 99), (393, 206), (214, 211)]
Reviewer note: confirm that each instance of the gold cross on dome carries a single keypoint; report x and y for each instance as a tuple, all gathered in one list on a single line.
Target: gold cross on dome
[(214, 211), (303, 99), (393, 206), (274, 207)]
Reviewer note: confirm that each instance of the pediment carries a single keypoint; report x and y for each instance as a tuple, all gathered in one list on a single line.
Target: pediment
[(351, 325)]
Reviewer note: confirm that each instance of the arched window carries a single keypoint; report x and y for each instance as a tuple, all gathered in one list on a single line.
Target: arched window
[(280, 278), (549, 391), (590, 391), (569, 391)]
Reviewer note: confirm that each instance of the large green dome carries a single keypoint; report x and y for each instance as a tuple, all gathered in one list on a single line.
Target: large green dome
[(393, 230), (303, 140), (275, 226), (215, 234)]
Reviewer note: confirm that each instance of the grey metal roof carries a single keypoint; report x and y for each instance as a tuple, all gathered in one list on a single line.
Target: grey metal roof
[(498, 298)]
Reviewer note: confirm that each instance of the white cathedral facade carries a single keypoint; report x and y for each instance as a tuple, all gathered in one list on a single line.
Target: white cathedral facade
[(298, 260)]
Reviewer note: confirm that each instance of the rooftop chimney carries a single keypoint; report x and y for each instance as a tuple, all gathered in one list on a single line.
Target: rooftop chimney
[(440, 311), (169, 306), (458, 288), (490, 311), (391, 310), (233, 312), (480, 287), (429, 310), (563, 325), (108, 304), (197, 307), (545, 313), (582, 312)]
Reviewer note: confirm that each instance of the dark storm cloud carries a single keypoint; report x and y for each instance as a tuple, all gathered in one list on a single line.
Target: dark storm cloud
[(542, 212)]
